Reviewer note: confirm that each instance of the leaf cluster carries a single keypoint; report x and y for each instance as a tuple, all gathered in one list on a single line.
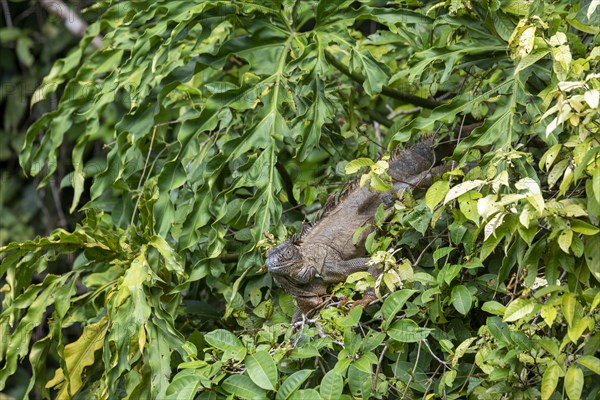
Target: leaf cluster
[(224, 124)]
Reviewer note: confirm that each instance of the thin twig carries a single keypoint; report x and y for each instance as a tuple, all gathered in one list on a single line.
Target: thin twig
[(394, 113), (425, 249), (71, 19), (413, 371), (137, 203), (431, 381), (377, 132), (444, 363), (378, 369), (7, 16), (62, 220)]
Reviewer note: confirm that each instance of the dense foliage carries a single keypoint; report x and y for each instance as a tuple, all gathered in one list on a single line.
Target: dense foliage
[(223, 124), (30, 42)]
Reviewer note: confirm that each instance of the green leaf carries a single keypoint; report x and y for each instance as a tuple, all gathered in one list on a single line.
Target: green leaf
[(394, 303), (574, 382), (292, 384), (441, 252), (262, 370), (591, 252), (407, 331), (186, 385), (331, 386), (590, 362), (353, 166), (517, 309), (24, 46), (306, 394), (564, 240), (16, 344), (493, 307), (173, 261), (461, 299), (583, 227), (243, 387), (529, 60), (375, 73), (352, 318), (449, 377), (596, 183), (568, 307), (227, 342), (549, 381), (306, 351), (436, 193)]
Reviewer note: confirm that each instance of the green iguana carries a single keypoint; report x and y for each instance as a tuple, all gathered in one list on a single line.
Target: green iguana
[(323, 253)]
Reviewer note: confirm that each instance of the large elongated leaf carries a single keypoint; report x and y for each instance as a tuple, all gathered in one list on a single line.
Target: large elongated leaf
[(262, 370), (331, 386), (407, 331), (394, 303), (292, 384), (243, 387), (227, 342)]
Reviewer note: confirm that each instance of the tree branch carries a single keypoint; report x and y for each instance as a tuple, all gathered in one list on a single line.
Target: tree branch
[(386, 90), (71, 19), (229, 257)]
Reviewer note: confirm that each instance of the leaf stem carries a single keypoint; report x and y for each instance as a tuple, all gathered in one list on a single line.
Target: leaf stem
[(139, 188)]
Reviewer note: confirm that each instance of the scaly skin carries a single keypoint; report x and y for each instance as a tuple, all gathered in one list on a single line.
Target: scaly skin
[(324, 253)]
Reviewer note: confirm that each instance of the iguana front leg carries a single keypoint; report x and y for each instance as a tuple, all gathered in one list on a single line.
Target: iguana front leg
[(336, 271), (308, 296)]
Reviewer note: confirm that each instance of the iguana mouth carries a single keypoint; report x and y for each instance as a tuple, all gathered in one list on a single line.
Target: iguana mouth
[(273, 262)]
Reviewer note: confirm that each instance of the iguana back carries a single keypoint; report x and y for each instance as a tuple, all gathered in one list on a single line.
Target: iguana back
[(356, 206)]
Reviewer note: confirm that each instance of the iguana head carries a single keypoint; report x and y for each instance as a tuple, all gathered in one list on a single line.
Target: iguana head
[(282, 258)]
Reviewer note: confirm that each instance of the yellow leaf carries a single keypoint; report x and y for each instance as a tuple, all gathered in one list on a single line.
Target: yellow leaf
[(436, 193), (568, 307), (576, 330), (549, 381), (534, 193), (590, 362), (462, 349), (518, 309), (550, 156), (574, 382), (548, 314), (564, 240), (79, 355), (468, 205), (142, 339), (526, 42)]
